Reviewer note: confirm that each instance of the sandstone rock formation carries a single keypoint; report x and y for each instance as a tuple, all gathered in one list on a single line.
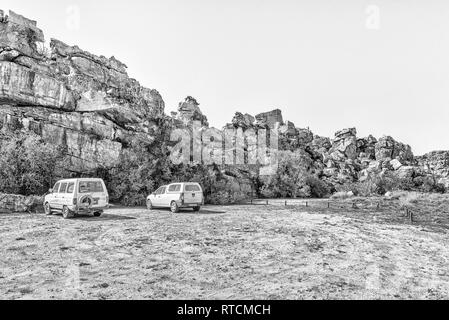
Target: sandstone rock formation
[(72, 97), (188, 111), (88, 104), (269, 119), (436, 164)]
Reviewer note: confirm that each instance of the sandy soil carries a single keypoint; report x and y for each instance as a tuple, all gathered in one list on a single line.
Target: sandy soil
[(225, 252)]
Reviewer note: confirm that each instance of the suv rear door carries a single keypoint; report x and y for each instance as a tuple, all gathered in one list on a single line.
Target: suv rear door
[(193, 193), (94, 188)]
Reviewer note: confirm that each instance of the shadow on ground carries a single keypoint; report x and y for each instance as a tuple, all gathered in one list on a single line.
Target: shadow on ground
[(103, 217), (189, 211)]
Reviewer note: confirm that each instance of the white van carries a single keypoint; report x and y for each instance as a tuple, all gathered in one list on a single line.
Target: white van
[(73, 196), (176, 196)]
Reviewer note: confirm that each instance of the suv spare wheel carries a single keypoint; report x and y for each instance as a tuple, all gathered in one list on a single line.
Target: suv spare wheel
[(86, 201)]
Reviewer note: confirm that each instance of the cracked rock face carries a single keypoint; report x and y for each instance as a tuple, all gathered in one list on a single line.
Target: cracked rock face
[(89, 104), (70, 96), (388, 148)]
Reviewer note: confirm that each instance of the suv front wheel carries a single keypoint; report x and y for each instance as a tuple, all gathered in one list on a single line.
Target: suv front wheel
[(98, 213), (174, 207)]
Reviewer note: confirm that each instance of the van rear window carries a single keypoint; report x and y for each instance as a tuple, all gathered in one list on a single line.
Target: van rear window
[(192, 187), (90, 186)]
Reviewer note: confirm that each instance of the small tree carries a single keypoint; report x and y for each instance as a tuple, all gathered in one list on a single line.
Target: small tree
[(294, 178)]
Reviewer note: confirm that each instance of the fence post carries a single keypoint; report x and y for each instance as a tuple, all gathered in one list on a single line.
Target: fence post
[(285, 202), (328, 204), (307, 204), (267, 202)]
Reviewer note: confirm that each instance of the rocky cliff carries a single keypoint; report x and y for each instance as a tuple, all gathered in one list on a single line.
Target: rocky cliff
[(70, 96), (90, 105)]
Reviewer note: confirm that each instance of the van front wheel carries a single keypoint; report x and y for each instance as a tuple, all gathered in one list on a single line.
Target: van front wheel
[(174, 207), (47, 209), (149, 205)]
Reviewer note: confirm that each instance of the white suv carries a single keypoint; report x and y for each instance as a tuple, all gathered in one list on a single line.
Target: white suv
[(176, 196), (73, 196)]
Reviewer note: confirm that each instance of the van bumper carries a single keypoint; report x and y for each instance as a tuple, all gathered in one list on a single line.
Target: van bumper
[(189, 205)]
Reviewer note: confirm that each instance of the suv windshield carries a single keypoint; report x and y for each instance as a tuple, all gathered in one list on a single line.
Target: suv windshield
[(90, 186), (192, 187)]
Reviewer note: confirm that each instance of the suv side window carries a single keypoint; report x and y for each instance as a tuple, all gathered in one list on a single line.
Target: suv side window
[(70, 187), (56, 188), (63, 187), (174, 188)]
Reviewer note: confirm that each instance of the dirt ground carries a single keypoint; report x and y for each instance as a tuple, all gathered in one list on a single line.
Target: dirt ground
[(226, 252)]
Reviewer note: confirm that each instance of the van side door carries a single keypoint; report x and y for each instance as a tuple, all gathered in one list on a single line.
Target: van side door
[(173, 193), (160, 197)]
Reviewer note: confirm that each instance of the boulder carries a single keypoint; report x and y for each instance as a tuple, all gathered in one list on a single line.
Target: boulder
[(241, 120), (387, 147), (269, 119), (396, 164), (17, 203), (188, 111), (366, 147), (406, 172), (344, 145)]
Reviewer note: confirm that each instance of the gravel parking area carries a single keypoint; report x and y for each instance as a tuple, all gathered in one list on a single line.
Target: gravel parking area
[(223, 252)]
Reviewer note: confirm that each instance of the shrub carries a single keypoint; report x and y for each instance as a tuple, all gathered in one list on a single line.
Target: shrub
[(293, 178), (342, 195), (144, 168), (318, 188), (28, 165), (409, 199), (379, 184)]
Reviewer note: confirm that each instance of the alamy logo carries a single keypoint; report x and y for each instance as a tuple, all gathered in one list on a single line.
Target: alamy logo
[(232, 146)]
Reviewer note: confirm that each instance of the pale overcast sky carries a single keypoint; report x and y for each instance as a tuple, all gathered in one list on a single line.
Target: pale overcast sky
[(381, 65)]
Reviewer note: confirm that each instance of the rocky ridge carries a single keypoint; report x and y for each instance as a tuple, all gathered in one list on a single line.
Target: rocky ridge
[(90, 105)]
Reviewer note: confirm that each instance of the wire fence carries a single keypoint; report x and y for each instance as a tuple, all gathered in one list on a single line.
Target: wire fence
[(403, 213)]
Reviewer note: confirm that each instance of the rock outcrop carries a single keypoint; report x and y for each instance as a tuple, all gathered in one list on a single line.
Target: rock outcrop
[(90, 105), (72, 97), (269, 119), (189, 111), (436, 164)]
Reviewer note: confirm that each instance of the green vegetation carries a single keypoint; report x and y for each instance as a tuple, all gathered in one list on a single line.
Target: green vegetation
[(28, 165)]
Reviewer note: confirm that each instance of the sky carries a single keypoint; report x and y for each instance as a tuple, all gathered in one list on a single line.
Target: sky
[(381, 66)]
